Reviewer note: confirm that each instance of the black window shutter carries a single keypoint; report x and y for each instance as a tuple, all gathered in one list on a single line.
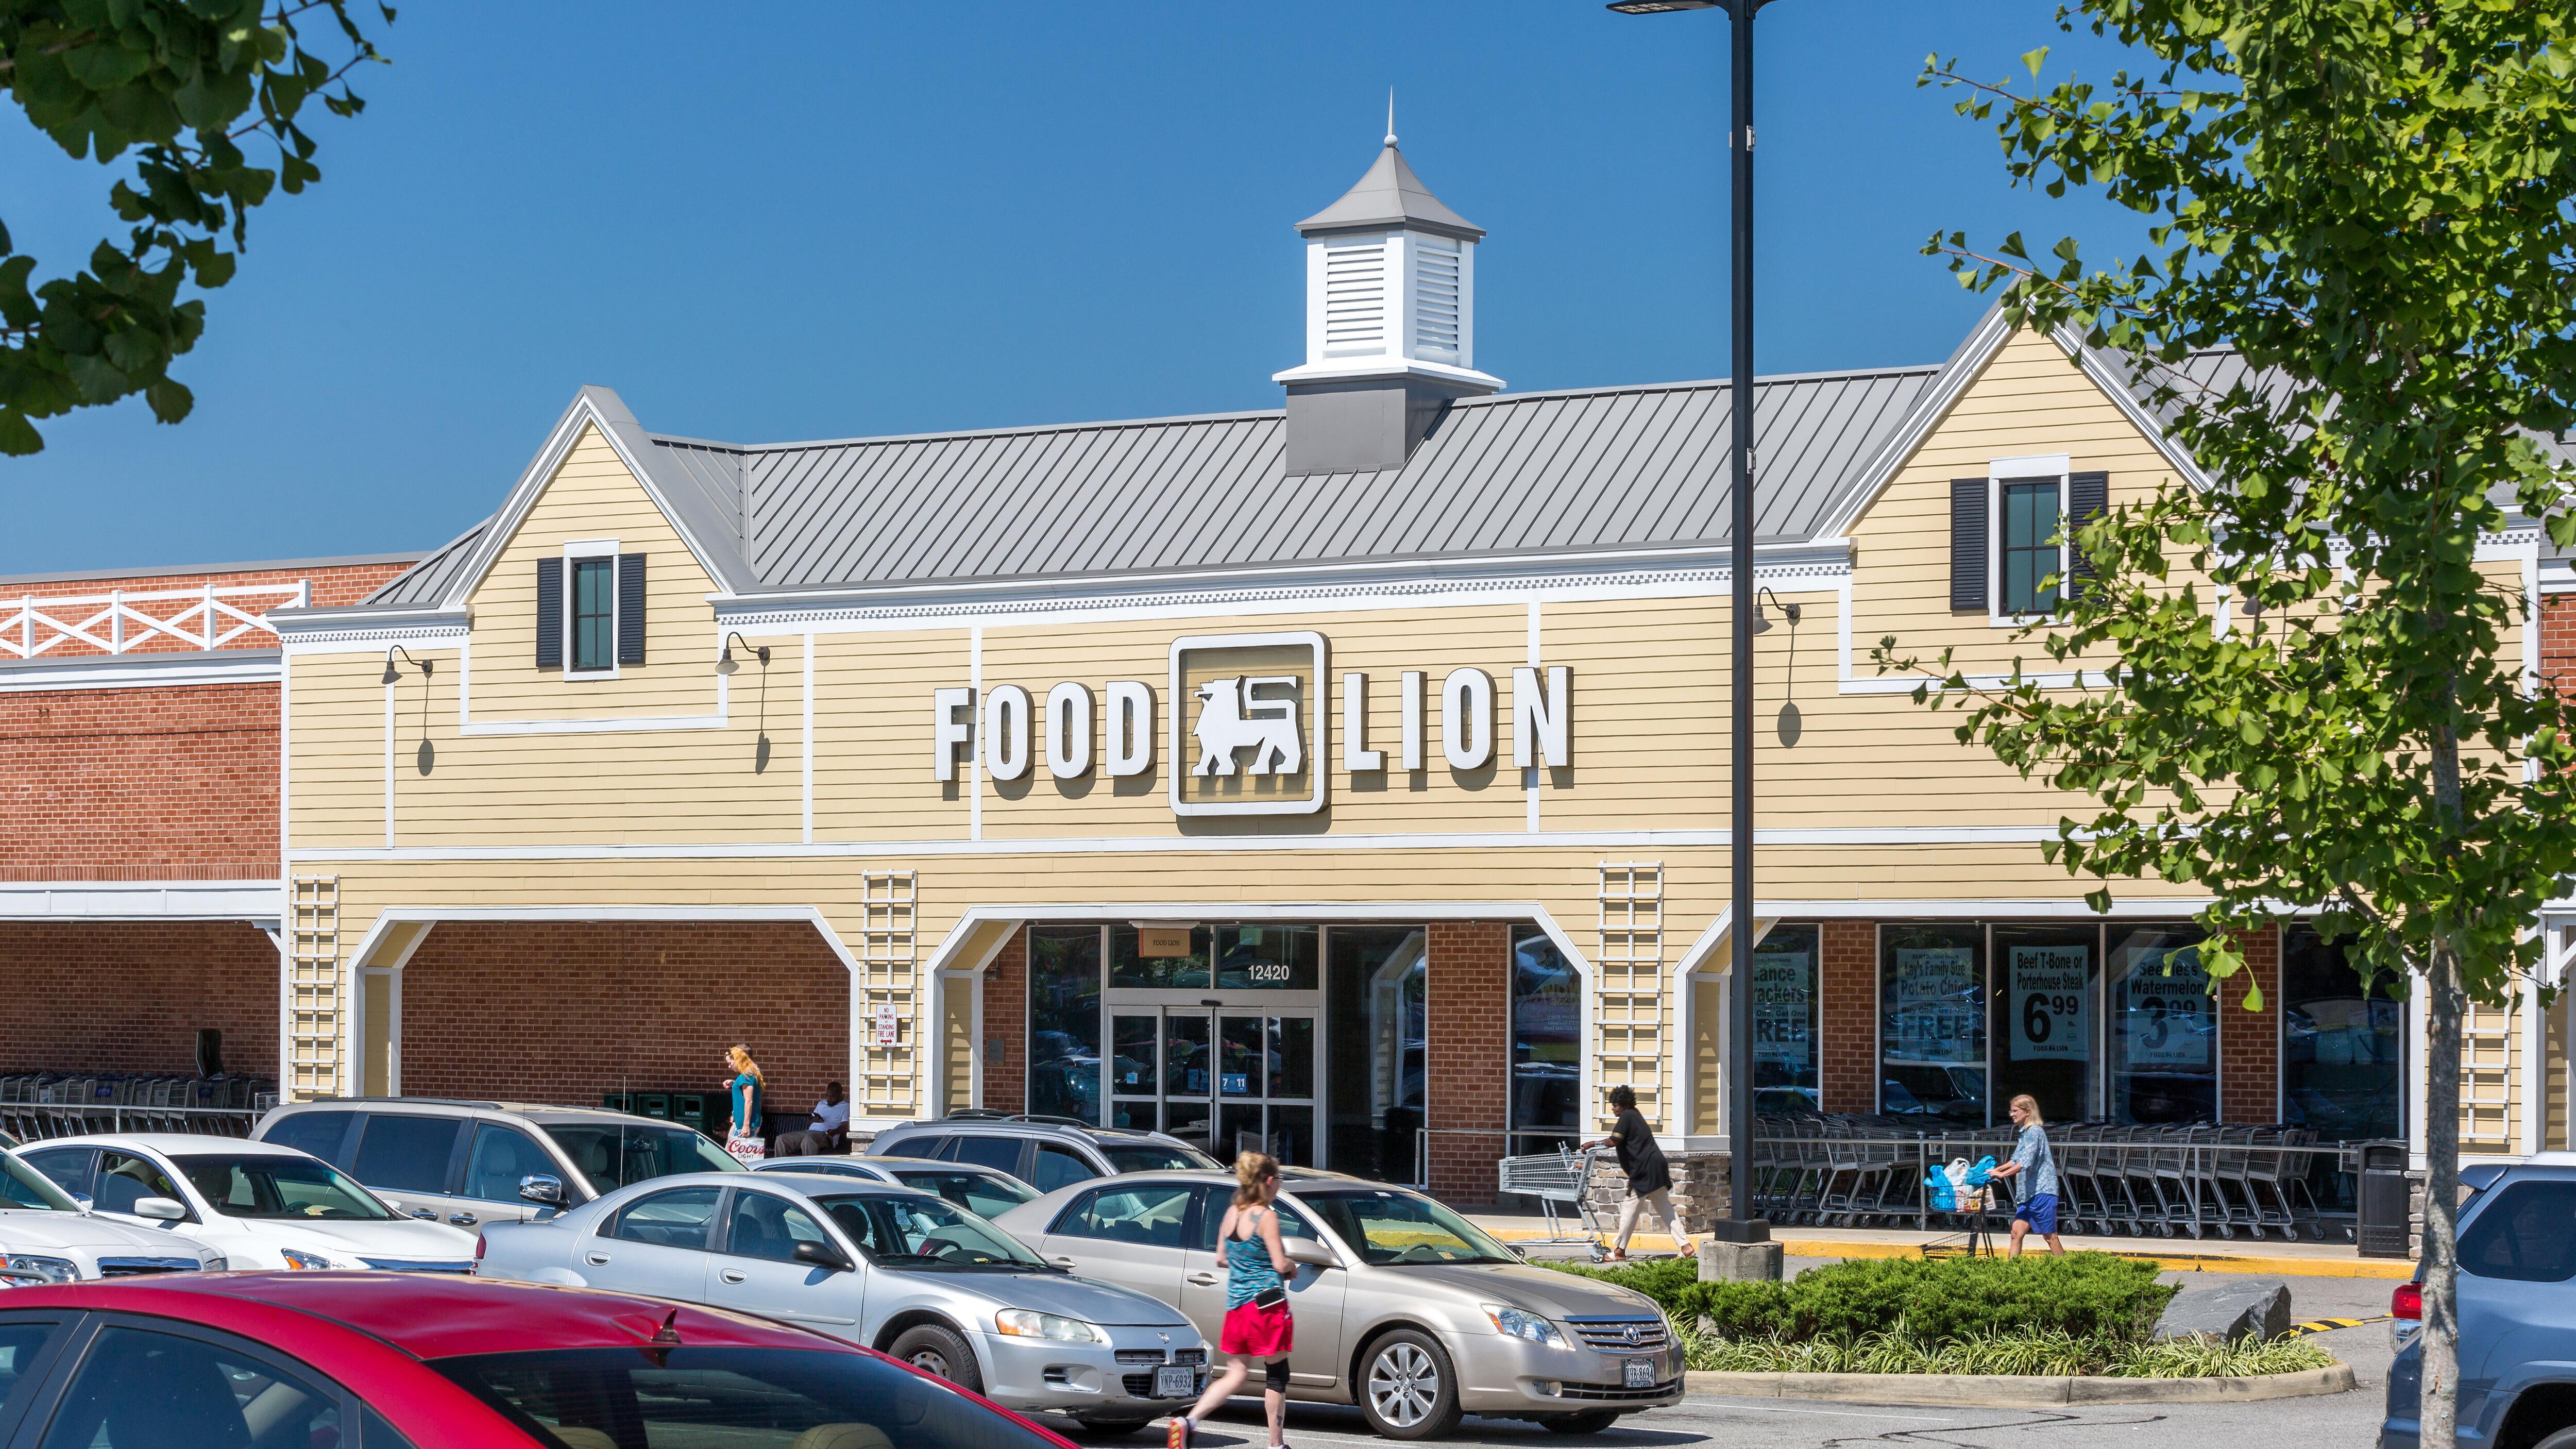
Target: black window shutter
[(550, 613), (630, 608), (2088, 497), (1968, 566)]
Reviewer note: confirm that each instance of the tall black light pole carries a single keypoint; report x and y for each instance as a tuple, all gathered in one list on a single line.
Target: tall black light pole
[(1741, 1225)]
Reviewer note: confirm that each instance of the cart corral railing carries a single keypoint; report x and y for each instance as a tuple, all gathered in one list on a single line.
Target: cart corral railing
[(35, 1121), (123, 621), (2139, 1181)]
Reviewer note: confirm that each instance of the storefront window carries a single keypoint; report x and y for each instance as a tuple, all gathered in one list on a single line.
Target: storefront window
[(1932, 1023), (1547, 1035), (2340, 1043), (1130, 966), (1373, 1047), (1064, 1022), (2163, 1027), (1266, 958), (1784, 1020), (2046, 982)]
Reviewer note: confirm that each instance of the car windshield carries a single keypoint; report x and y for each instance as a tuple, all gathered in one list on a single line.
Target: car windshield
[(983, 1194), (924, 1233), (1155, 1157), (1391, 1227), (739, 1398), (22, 1186), (614, 1154), (280, 1187)]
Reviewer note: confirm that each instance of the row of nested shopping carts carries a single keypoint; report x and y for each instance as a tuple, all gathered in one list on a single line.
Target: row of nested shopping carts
[(36, 1105), (2112, 1178)]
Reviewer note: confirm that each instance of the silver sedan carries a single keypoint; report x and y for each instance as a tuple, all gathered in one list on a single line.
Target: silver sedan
[(1402, 1306), (888, 1267)]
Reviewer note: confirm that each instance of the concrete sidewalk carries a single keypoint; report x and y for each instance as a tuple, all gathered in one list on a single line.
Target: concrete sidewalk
[(2182, 1254)]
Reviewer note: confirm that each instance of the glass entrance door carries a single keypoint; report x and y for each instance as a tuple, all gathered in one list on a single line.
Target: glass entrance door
[(1227, 1079)]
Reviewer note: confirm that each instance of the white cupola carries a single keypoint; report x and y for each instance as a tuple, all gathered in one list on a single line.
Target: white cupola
[(1390, 323)]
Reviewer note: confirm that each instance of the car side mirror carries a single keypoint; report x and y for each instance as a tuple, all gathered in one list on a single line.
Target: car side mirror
[(1311, 1253), (542, 1188), (161, 1209), (819, 1255)]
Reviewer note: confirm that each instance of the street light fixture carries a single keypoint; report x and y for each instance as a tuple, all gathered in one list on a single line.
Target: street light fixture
[(1740, 1225)]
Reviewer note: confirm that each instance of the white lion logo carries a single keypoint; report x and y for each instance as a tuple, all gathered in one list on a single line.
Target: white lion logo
[(1233, 715)]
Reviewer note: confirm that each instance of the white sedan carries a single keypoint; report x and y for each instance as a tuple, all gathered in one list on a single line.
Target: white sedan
[(256, 1203)]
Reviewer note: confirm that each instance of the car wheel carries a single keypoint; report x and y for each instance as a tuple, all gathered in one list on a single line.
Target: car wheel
[(1112, 1423), (2563, 1439), (935, 1348), (1408, 1389), (1590, 1421)]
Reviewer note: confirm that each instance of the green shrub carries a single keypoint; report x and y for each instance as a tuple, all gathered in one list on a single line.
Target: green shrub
[(2044, 1353), (1935, 1301)]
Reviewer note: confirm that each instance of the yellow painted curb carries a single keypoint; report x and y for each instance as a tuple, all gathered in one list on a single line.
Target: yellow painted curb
[(2285, 1267)]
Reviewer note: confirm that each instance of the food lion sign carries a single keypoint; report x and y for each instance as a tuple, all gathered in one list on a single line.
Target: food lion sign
[(1246, 725), (1248, 707)]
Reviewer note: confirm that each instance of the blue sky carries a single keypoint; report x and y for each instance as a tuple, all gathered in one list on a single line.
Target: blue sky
[(883, 218)]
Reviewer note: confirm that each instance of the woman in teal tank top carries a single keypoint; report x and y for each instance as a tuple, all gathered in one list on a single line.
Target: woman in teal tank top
[(1257, 1321)]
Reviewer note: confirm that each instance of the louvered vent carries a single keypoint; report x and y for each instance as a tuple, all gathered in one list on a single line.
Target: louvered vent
[(1435, 297), (1355, 298)]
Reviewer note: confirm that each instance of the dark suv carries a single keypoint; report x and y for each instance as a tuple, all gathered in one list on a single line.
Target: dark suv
[(2517, 1313), (1044, 1152)]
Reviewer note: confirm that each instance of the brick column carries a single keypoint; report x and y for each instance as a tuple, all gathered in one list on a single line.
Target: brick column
[(1847, 1017), (1006, 1026), (1467, 1055), (2558, 643), (2249, 1042)]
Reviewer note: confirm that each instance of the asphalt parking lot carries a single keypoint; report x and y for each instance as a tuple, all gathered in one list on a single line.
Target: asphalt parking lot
[(2338, 1421)]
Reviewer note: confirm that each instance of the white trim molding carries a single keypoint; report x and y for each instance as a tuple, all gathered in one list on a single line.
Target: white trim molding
[(253, 901)]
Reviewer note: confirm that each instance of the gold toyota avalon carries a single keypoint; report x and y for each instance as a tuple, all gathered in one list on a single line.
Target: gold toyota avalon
[(1403, 1307)]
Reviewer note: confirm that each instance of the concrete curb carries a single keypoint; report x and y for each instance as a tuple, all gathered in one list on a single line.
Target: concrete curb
[(2014, 1391)]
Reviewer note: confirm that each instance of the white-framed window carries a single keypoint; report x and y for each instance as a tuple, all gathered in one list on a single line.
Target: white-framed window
[(590, 609), (2027, 499)]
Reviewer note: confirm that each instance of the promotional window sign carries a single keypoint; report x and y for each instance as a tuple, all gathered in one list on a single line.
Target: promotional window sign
[(2051, 1018), (2165, 1020), (1783, 987), (1938, 1013)]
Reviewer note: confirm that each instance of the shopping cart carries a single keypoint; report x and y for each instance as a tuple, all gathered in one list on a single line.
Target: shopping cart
[(1555, 1179)]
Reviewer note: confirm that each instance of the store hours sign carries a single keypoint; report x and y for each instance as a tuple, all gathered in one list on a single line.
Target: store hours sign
[(1244, 724)]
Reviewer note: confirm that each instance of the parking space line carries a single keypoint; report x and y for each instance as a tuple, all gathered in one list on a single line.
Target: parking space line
[(1840, 1413)]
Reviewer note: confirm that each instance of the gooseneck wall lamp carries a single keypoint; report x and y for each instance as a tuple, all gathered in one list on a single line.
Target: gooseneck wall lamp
[(393, 671), (727, 664), (1762, 621)]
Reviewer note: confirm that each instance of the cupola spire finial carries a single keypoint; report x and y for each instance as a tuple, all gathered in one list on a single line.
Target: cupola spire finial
[(1390, 116)]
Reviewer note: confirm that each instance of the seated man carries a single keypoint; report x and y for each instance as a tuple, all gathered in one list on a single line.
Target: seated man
[(829, 1132)]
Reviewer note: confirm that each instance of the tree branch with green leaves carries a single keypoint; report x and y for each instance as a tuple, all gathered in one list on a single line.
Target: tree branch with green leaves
[(2355, 310), (186, 86)]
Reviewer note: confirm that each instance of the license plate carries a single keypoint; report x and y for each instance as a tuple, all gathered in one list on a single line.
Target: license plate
[(1174, 1382), (1641, 1373)]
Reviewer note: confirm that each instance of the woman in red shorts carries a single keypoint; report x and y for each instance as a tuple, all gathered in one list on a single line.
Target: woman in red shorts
[(1257, 1325)]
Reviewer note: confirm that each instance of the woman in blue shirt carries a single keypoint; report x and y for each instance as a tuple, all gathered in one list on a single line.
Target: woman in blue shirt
[(745, 1089), (2032, 1161)]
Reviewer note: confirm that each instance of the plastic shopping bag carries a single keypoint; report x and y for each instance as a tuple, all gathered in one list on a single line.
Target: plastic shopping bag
[(1984, 1169), (1957, 1172), (1936, 1189), (749, 1151)]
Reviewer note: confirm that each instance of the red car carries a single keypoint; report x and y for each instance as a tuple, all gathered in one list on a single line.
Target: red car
[(419, 1361)]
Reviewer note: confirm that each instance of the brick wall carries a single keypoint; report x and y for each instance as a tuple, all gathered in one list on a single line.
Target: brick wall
[(1847, 1017), (1467, 1055), (2558, 643), (110, 996), (147, 783), (562, 1011), (2249, 1042), (1006, 1025), (139, 784)]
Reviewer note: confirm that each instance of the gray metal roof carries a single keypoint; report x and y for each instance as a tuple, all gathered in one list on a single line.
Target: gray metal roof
[(1612, 468), (1388, 194), (426, 582)]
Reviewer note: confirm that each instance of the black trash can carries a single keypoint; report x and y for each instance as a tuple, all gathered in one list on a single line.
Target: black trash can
[(2382, 1199)]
